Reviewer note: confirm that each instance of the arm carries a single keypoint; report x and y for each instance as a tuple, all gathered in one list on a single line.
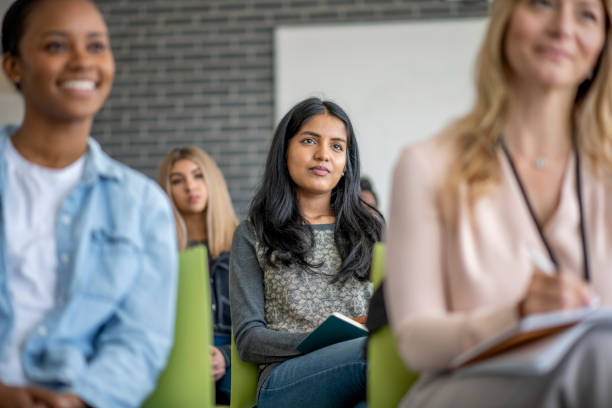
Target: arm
[(133, 344), (254, 341), (429, 335)]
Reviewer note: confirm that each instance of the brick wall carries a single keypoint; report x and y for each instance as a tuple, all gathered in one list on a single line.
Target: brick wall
[(201, 72)]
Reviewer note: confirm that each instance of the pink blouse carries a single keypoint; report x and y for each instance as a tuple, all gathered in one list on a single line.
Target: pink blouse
[(449, 289)]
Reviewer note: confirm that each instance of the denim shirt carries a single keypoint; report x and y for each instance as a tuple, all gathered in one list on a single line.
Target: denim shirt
[(112, 328)]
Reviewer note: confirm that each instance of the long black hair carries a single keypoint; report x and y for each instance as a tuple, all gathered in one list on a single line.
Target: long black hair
[(276, 216)]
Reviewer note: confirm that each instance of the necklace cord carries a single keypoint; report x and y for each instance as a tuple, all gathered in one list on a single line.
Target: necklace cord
[(534, 218)]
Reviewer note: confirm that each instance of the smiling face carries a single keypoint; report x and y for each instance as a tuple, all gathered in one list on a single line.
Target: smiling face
[(188, 188), (65, 66), (316, 156), (555, 43)]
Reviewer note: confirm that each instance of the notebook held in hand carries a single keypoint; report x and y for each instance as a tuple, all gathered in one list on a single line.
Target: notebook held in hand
[(336, 328)]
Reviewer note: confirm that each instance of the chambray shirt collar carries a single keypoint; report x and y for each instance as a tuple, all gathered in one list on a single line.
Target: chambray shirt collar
[(97, 164)]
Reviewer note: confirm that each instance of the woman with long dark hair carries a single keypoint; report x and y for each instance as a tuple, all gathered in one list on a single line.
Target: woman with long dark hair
[(304, 253)]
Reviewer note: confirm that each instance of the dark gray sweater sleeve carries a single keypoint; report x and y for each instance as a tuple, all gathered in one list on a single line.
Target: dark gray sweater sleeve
[(254, 341)]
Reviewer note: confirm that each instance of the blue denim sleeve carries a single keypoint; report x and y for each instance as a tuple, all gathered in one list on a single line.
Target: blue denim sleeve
[(134, 344)]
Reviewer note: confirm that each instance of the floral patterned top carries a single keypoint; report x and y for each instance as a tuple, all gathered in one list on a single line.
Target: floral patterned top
[(298, 300)]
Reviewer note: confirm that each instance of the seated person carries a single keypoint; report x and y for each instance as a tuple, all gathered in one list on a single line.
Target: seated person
[(527, 171), (88, 259), (367, 192), (303, 253), (204, 216)]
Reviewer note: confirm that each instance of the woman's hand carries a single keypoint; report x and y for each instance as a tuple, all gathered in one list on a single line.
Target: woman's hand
[(52, 399), (16, 397), (360, 319), (218, 363), (547, 293), (32, 397)]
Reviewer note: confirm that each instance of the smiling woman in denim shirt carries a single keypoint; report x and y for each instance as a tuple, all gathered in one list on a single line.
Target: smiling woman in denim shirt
[(87, 250)]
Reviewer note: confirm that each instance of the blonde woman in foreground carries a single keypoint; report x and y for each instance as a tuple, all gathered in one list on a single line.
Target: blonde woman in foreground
[(204, 215), (527, 170)]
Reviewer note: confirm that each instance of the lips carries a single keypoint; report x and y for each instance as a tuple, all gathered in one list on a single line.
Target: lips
[(320, 170), (554, 53), (193, 199)]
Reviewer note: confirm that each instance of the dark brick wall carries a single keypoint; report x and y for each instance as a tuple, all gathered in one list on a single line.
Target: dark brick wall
[(201, 72)]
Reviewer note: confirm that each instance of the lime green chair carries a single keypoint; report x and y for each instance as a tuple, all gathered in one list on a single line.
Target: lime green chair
[(187, 379), (388, 378), (244, 381)]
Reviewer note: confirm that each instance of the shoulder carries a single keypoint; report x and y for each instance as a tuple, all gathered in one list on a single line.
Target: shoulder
[(245, 229), (244, 236), (427, 159), (123, 183), (7, 130)]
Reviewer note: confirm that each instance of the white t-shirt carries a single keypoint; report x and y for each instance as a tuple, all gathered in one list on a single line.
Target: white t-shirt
[(32, 200)]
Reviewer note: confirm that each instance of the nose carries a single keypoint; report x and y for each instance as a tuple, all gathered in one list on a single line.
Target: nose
[(322, 152), (189, 184), (79, 57), (563, 20)]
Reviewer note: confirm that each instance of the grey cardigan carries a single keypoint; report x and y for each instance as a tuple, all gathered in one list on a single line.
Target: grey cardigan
[(273, 309)]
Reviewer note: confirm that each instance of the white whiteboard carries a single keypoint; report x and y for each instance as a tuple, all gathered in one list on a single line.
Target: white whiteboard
[(399, 82)]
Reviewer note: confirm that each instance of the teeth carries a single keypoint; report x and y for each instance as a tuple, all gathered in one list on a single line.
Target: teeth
[(79, 85)]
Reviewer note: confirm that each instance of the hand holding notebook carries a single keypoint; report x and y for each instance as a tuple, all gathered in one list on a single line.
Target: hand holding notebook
[(336, 328)]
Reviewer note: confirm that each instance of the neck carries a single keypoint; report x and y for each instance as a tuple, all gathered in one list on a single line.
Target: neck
[(50, 143), (316, 208), (539, 122), (196, 226)]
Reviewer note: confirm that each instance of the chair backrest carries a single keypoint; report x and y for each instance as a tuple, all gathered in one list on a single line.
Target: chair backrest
[(244, 381), (187, 379), (388, 378)]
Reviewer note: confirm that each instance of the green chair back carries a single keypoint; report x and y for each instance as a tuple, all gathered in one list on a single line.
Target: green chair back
[(388, 378), (244, 381), (187, 379)]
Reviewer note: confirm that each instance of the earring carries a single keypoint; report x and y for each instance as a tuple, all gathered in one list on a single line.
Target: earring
[(17, 80), (342, 174)]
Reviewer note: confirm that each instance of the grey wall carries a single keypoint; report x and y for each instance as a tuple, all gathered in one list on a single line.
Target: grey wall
[(201, 72)]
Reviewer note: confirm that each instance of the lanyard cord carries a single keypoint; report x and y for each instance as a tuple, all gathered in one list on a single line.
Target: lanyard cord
[(549, 249)]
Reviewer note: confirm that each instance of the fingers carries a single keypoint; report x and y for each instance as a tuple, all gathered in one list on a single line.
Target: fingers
[(50, 399), (360, 319), (218, 363), (547, 293)]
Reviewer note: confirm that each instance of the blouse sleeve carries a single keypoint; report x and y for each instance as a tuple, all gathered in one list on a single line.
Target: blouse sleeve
[(429, 335), (254, 341)]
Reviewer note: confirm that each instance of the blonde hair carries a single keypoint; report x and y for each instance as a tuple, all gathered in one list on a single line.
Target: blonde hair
[(220, 217), (475, 136)]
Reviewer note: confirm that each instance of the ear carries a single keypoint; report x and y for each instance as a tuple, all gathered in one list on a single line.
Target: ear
[(11, 68)]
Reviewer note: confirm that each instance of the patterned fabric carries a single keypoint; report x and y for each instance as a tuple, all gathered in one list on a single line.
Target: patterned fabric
[(298, 300)]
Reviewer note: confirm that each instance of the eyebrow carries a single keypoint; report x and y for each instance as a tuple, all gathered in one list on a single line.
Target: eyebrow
[(194, 171), (311, 133), (93, 34)]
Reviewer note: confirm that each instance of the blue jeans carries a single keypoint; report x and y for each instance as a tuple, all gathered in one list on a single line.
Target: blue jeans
[(334, 377)]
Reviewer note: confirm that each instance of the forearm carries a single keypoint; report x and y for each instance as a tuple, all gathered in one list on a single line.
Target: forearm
[(264, 346), (429, 343), (254, 341)]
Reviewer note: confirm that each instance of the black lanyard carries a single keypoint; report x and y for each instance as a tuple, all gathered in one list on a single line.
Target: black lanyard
[(551, 253)]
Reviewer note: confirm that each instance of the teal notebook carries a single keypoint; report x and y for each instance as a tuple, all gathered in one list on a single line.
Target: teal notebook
[(334, 329)]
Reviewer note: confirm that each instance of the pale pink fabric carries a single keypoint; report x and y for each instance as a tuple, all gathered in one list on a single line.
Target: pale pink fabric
[(450, 289)]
